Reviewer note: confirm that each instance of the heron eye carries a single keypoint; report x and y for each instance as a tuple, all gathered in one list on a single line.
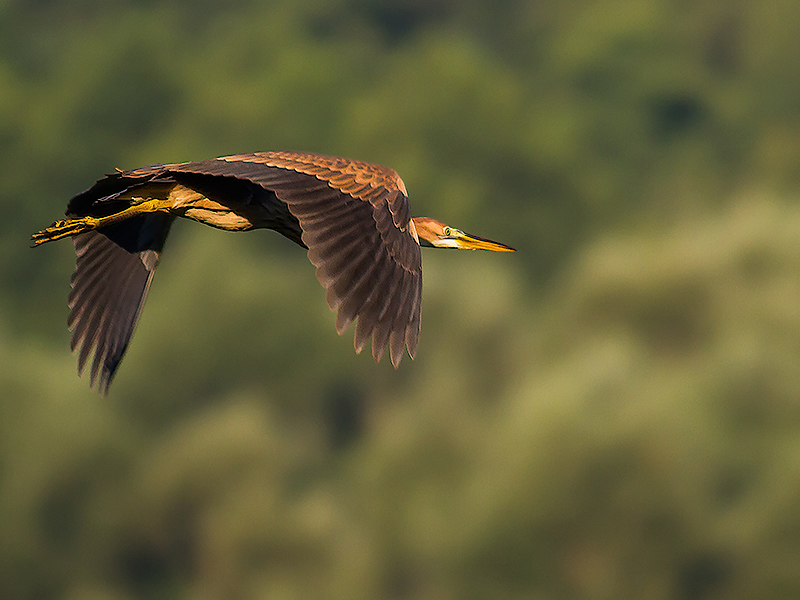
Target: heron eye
[(447, 231)]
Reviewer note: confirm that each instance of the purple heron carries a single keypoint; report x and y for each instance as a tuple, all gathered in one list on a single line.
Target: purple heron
[(352, 217)]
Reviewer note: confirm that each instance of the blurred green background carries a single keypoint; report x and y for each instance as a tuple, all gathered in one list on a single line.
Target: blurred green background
[(612, 412)]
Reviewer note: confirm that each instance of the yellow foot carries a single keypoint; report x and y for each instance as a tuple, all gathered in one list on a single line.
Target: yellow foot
[(62, 229)]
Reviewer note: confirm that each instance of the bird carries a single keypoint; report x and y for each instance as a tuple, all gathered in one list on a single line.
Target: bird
[(352, 217)]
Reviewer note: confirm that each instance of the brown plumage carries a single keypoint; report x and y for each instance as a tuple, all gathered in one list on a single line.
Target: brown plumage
[(352, 216)]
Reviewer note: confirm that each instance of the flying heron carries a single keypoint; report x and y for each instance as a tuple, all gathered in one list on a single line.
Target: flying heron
[(352, 216)]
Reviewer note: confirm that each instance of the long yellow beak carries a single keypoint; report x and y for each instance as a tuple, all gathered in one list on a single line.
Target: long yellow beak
[(473, 242)]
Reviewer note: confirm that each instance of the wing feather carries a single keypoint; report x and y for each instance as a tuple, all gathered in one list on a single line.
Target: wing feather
[(334, 240), (389, 305), (402, 318), (106, 333), (109, 287), (360, 299), (351, 277), (90, 276), (413, 327), (355, 302), (330, 234)]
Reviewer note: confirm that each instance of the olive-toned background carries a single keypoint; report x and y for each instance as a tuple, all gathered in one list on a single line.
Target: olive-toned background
[(612, 412)]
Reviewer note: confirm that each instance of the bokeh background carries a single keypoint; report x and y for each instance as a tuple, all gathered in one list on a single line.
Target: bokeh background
[(612, 412)]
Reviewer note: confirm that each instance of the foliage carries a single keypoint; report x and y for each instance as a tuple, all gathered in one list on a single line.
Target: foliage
[(609, 413)]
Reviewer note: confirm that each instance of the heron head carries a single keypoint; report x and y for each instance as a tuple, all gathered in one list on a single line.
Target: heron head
[(433, 233)]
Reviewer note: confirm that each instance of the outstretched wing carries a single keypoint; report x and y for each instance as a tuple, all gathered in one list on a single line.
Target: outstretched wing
[(356, 223), (109, 287)]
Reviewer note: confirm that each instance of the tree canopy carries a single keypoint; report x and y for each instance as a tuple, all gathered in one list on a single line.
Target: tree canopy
[(611, 412)]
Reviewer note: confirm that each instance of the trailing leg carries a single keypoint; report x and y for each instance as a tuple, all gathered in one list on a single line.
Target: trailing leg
[(63, 228), (69, 227)]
